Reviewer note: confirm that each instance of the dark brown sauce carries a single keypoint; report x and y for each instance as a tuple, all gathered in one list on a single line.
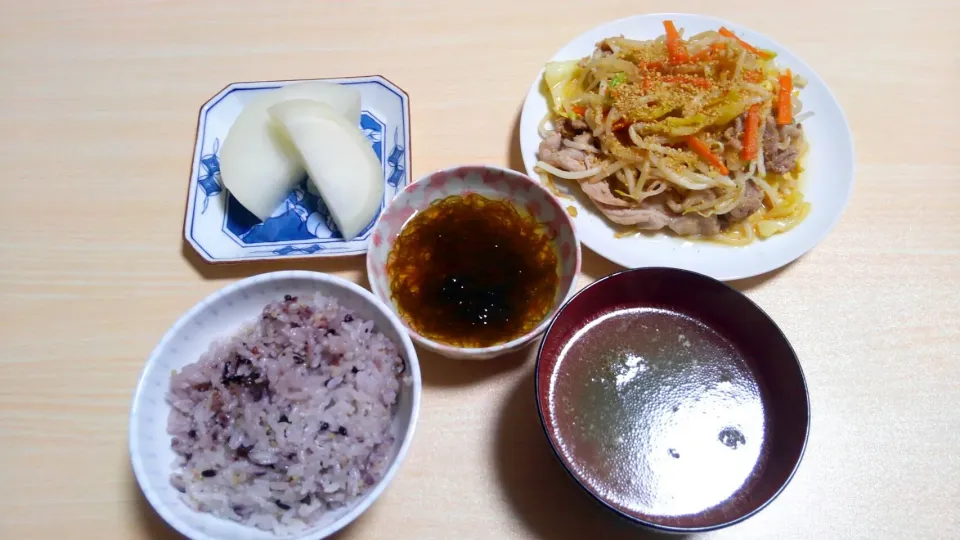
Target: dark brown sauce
[(473, 272), (658, 414)]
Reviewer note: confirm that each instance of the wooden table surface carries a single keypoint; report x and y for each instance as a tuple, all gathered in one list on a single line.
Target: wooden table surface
[(97, 118)]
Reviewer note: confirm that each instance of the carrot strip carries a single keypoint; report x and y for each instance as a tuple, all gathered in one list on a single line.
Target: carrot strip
[(701, 56), (703, 150), (762, 54), (751, 133), (675, 47), (784, 105), (579, 110), (709, 53)]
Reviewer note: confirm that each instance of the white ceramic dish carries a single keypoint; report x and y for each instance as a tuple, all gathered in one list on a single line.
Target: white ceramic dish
[(492, 182), (221, 230), (220, 314), (828, 180)]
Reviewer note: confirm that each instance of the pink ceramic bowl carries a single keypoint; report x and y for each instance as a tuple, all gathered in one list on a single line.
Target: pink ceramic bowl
[(492, 182)]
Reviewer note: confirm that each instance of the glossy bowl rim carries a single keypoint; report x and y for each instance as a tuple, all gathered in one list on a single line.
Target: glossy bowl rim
[(478, 353), (363, 504), (596, 497)]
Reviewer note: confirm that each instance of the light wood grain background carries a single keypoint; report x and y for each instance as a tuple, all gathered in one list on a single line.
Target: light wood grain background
[(97, 116)]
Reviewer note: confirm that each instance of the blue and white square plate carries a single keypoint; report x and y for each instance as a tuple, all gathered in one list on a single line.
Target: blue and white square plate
[(221, 230)]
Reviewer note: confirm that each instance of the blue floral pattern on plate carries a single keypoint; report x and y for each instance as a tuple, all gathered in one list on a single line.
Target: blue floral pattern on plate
[(221, 230)]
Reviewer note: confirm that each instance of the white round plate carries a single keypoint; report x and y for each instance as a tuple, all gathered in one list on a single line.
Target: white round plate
[(827, 181), (220, 315)]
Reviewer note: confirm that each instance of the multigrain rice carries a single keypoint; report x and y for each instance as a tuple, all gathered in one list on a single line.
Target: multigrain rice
[(288, 419)]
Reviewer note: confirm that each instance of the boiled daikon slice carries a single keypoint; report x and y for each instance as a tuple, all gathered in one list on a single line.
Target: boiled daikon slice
[(257, 164), (339, 160)]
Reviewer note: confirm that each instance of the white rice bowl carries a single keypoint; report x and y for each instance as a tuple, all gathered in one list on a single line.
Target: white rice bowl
[(254, 423)]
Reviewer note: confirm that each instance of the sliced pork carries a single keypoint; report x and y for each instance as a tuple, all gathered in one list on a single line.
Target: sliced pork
[(751, 202), (654, 215), (781, 146), (732, 137), (600, 192), (694, 224), (569, 129), (643, 218), (553, 152)]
